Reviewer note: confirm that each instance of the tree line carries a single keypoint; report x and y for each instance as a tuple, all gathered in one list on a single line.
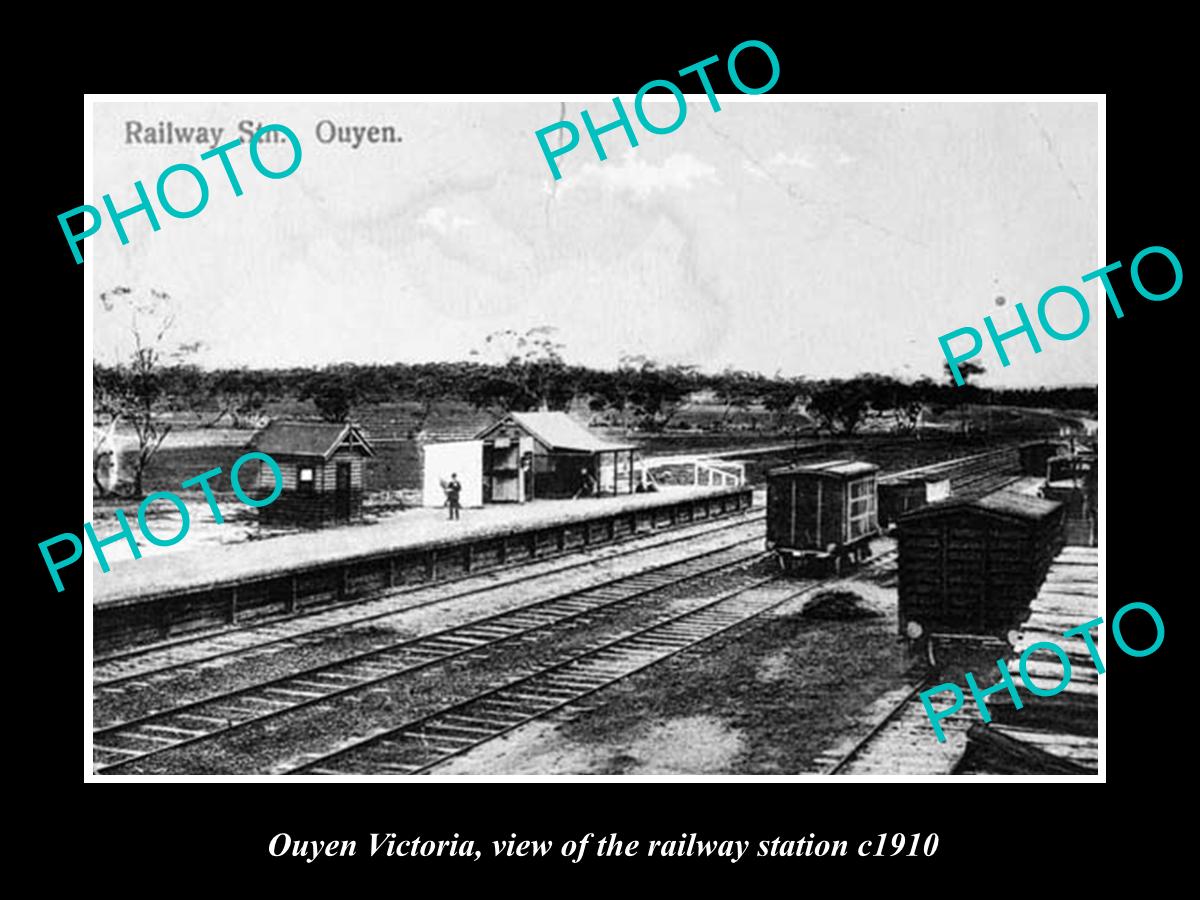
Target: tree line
[(511, 371), (640, 394)]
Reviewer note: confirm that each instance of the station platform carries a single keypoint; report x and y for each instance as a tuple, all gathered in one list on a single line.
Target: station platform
[(175, 593), (1056, 735)]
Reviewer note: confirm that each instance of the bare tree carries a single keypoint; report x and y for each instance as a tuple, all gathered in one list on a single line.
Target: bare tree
[(526, 371), (128, 395)]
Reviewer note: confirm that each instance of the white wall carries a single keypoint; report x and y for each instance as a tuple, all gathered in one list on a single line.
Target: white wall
[(440, 461)]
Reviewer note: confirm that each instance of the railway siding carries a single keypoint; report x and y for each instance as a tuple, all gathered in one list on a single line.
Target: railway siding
[(421, 744), (120, 745)]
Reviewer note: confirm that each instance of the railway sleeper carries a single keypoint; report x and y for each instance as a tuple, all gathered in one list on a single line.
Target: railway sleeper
[(186, 732), (105, 755), (553, 692), (539, 697), (442, 748), (153, 738), (522, 700), (470, 720), (577, 681), (452, 728)]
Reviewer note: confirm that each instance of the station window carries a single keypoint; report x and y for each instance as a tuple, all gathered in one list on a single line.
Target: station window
[(306, 479)]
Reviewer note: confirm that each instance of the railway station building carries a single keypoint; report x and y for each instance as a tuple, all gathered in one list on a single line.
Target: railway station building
[(531, 455), (548, 454)]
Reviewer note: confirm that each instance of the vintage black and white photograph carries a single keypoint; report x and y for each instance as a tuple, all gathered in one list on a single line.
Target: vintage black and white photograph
[(755, 448)]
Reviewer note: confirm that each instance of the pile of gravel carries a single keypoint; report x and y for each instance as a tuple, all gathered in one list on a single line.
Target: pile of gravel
[(839, 606)]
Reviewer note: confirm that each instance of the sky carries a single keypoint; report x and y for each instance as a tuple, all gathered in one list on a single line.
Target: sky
[(818, 239)]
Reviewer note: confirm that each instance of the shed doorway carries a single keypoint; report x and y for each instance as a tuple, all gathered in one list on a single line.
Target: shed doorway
[(507, 467), (341, 494)]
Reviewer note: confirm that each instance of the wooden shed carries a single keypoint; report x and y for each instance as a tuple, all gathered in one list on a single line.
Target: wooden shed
[(822, 508), (527, 455), (323, 466), (972, 566)]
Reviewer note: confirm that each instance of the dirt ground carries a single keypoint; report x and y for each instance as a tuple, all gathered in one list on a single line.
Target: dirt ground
[(764, 700)]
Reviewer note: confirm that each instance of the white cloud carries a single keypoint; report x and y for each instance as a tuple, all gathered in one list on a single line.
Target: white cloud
[(679, 172), (753, 169), (443, 221), (805, 158), (795, 159)]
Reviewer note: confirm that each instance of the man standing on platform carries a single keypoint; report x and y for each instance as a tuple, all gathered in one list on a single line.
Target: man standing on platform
[(453, 489)]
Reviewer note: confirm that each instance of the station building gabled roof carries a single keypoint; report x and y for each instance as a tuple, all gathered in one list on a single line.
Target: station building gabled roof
[(558, 431)]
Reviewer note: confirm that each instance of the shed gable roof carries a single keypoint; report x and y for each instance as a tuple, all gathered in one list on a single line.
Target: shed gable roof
[(558, 431), (319, 439)]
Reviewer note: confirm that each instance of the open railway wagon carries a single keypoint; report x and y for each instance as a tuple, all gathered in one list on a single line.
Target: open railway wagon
[(969, 568), (822, 515)]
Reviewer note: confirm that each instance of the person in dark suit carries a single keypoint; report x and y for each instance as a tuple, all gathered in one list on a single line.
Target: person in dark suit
[(453, 490), (587, 484)]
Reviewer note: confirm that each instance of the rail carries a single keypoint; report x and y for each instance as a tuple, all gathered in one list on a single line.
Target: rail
[(220, 714)]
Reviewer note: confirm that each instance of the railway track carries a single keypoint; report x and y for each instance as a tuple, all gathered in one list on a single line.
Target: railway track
[(903, 742), (423, 743), (141, 669), (862, 744), (121, 745), (993, 471), (970, 476)]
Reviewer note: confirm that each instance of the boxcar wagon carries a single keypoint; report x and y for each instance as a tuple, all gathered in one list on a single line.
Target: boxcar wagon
[(822, 514), (972, 566)]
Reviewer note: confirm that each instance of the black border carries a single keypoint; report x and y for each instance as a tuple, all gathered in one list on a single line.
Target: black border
[(1145, 448)]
